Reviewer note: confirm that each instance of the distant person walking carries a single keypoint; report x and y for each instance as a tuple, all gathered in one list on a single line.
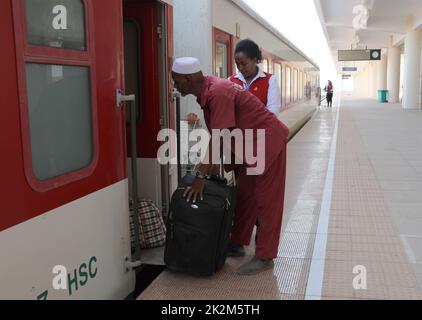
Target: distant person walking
[(329, 89)]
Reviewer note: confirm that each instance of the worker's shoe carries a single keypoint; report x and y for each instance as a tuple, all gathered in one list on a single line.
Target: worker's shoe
[(235, 251), (255, 266)]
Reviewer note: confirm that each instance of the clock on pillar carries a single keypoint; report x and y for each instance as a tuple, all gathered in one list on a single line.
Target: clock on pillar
[(376, 54)]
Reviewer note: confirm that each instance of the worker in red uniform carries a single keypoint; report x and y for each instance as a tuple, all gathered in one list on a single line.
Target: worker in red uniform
[(261, 84), (229, 106), (264, 86)]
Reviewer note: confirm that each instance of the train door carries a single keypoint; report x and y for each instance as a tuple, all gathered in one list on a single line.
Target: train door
[(63, 185), (222, 55), (146, 76)]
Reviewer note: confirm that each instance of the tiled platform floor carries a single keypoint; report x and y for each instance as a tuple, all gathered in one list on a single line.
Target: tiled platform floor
[(362, 231), (375, 217)]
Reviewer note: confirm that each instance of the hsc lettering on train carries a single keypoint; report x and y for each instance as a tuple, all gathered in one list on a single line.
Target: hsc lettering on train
[(72, 281)]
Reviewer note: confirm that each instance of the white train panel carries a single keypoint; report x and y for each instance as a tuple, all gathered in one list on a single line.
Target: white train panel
[(90, 237)]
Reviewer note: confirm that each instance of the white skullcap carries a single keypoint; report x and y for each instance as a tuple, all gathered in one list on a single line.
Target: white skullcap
[(186, 65)]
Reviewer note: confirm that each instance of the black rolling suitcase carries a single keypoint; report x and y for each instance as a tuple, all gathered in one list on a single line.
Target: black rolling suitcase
[(198, 233)]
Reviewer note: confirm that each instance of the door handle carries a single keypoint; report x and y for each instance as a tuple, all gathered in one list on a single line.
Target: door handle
[(120, 98)]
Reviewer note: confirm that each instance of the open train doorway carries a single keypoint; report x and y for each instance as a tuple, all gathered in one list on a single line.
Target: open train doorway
[(146, 47)]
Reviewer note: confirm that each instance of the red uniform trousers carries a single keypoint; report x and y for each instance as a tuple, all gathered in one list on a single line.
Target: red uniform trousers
[(261, 199)]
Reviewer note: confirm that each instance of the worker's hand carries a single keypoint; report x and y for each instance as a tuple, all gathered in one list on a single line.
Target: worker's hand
[(215, 170), (195, 192)]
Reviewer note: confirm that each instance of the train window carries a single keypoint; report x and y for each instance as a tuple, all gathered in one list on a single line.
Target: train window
[(288, 85), (283, 86), (132, 65), (58, 91), (56, 23), (295, 81), (307, 86), (221, 60), (278, 73), (301, 86), (265, 67), (60, 118)]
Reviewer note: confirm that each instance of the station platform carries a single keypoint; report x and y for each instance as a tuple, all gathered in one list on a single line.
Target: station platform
[(352, 225), (296, 117)]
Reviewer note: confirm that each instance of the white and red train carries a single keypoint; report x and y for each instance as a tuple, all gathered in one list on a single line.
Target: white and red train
[(64, 138)]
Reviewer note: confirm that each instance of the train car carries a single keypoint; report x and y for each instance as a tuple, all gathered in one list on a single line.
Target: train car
[(64, 188), (66, 142)]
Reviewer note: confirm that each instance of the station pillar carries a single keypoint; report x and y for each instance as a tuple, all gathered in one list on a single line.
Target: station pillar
[(382, 73), (373, 72), (393, 74), (412, 69)]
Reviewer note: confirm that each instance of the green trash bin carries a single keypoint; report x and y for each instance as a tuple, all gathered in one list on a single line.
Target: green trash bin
[(382, 96)]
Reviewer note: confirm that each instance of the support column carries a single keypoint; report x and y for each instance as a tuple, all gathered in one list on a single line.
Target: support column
[(412, 69), (382, 73), (374, 78), (369, 80), (393, 74)]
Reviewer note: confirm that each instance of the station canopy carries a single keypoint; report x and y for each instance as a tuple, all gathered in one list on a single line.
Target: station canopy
[(367, 24)]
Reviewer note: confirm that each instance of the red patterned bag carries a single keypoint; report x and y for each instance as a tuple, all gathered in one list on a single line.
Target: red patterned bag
[(152, 230)]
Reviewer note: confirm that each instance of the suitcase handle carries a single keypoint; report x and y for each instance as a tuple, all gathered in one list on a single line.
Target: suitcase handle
[(219, 179)]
